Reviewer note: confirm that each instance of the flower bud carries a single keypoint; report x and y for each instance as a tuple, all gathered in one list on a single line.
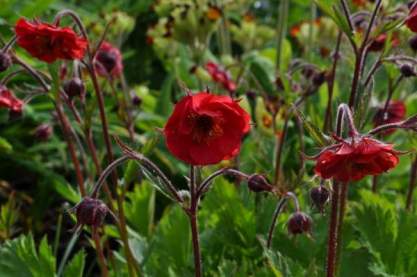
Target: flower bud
[(299, 223), (74, 88), (319, 196), (107, 59), (319, 78), (43, 132), (91, 212), (412, 42), (407, 70), (5, 61), (136, 100), (258, 183)]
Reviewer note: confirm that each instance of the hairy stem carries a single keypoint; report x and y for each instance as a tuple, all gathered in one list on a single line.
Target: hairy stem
[(100, 254), (332, 237), (341, 216), (193, 216), (278, 209)]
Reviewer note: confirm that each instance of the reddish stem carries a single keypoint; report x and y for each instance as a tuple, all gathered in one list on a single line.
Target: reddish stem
[(193, 215), (100, 254), (332, 238)]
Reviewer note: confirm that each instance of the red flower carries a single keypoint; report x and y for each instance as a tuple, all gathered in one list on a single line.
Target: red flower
[(220, 76), (206, 129), (395, 113), (109, 60), (355, 158), (8, 100), (411, 20), (49, 43)]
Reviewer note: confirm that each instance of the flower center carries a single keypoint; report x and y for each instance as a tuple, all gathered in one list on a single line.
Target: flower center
[(205, 129)]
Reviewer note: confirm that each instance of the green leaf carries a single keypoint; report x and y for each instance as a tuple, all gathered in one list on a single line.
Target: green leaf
[(318, 136), (19, 257), (140, 208), (263, 73), (5, 146), (75, 267), (164, 106)]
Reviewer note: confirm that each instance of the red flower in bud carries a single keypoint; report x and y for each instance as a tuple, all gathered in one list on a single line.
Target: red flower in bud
[(206, 128), (5, 61), (74, 88), (91, 212), (299, 223), (354, 158), (411, 20), (319, 196), (395, 112), (8, 100), (220, 76), (48, 42), (258, 183), (378, 43), (43, 132), (109, 60)]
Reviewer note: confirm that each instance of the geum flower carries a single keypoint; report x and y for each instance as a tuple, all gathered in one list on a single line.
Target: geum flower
[(411, 20), (108, 60), (395, 112), (354, 158), (48, 42), (10, 101), (220, 76), (205, 128)]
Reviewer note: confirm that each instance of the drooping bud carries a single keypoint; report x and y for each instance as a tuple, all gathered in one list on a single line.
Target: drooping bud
[(319, 196), (43, 132), (91, 212), (299, 223), (5, 61), (74, 88), (107, 59), (258, 183), (412, 42), (407, 70), (136, 100), (319, 78)]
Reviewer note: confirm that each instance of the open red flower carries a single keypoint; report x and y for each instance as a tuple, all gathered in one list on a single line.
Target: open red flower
[(220, 76), (9, 101), (48, 42), (411, 20), (108, 60), (206, 129), (355, 158), (395, 112)]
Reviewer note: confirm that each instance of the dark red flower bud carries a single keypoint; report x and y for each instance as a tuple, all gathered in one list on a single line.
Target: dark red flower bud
[(136, 100), (407, 70), (412, 42), (5, 61), (319, 196), (91, 212), (74, 88), (378, 43), (258, 183), (319, 78), (299, 223), (107, 59), (43, 132), (308, 71)]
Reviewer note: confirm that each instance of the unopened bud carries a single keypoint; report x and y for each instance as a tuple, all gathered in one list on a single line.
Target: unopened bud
[(43, 132), (319, 196), (91, 212), (74, 88), (319, 78), (5, 61), (258, 183), (412, 42), (299, 223), (407, 70)]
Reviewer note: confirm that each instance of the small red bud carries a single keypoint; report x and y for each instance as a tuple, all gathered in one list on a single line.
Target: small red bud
[(407, 70), (299, 223), (258, 183), (319, 196), (412, 42), (91, 212), (43, 132), (5, 61), (74, 88)]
